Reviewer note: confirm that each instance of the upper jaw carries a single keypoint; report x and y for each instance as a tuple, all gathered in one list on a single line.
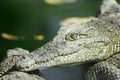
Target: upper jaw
[(60, 51), (63, 53), (47, 52)]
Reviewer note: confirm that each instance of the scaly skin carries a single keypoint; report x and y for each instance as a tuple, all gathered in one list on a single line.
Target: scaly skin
[(7, 67), (77, 44), (109, 6), (105, 70), (17, 75), (98, 40), (13, 55)]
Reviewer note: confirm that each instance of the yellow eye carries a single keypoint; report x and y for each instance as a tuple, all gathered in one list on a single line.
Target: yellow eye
[(72, 36), (75, 36)]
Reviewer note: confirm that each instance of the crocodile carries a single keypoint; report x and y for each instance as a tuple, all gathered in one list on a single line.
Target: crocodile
[(95, 41), (77, 43), (74, 44), (8, 70), (109, 6), (108, 69)]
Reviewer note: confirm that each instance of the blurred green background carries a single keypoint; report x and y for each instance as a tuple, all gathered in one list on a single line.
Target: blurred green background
[(29, 24), (28, 18)]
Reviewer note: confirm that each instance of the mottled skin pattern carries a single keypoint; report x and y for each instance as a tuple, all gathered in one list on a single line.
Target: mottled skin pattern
[(77, 44), (8, 69), (13, 55), (94, 41), (109, 6), (17, 75), (108, 69)]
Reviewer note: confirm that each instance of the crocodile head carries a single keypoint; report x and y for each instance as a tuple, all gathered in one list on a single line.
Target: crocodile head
[(73, 44)]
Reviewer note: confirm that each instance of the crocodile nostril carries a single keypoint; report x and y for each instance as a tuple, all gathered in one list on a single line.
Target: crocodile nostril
[(23, 57)]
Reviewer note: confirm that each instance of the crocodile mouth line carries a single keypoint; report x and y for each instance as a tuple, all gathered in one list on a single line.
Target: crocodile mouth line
[(47, 61), (39, 64)]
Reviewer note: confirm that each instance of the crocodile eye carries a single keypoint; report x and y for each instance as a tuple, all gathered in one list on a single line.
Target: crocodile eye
[(72, 36), (75, 36)]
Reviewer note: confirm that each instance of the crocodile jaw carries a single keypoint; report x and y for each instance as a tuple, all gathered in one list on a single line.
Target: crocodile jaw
[(77, 53), (60, 51), (87, 54)]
